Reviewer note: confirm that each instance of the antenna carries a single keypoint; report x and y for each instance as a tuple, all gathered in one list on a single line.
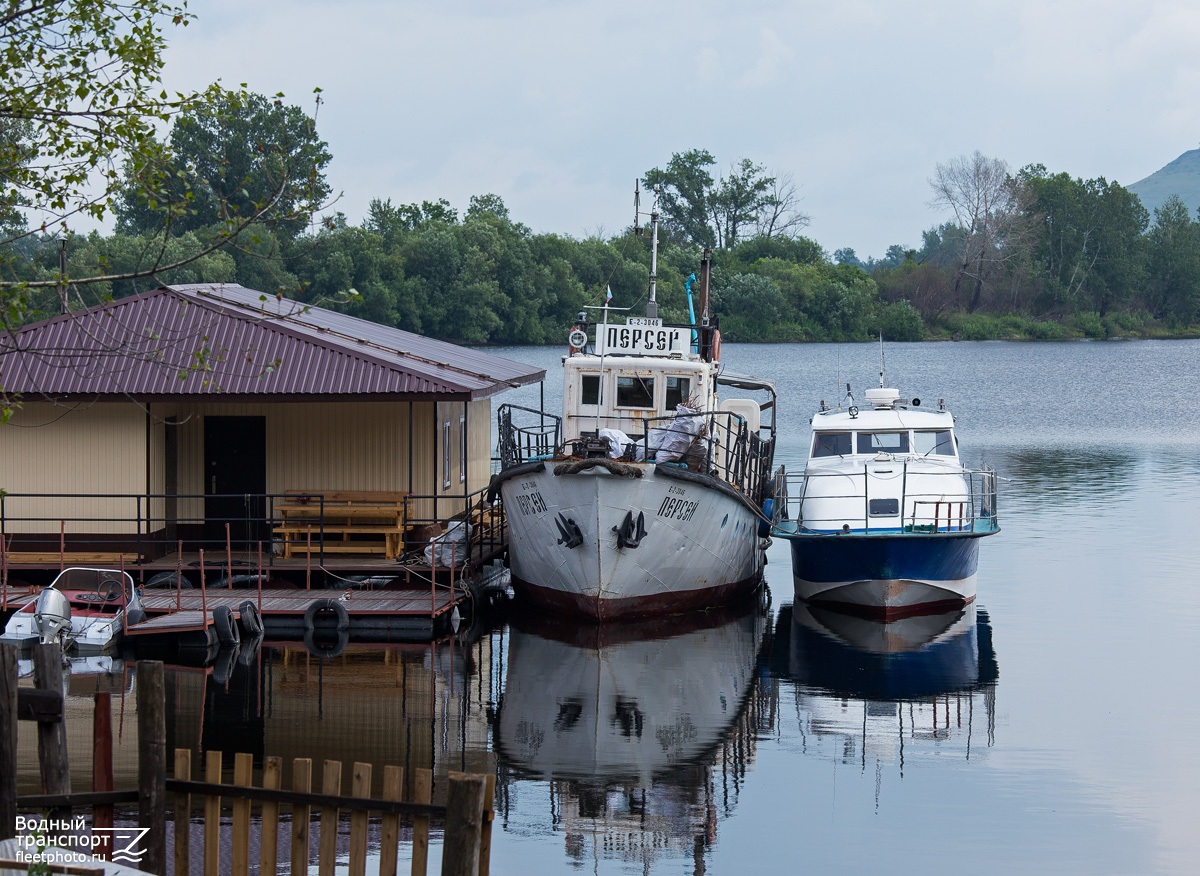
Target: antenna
[(652, 304), (637, 206), (881, 369)]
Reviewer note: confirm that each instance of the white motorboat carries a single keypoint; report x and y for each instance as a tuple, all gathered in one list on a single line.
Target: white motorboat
[(885, 520), (646, 496), (85, 610)]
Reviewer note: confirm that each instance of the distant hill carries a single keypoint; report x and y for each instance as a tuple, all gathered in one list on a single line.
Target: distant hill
[(1180, 177)]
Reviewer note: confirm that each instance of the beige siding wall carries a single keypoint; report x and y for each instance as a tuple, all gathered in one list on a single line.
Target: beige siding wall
[(109, 449), (97, 448)]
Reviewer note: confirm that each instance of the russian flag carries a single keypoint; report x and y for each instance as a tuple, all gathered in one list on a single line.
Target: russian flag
[(608, 293)]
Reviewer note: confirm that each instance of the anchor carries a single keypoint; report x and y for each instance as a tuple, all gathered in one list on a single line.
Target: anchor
[(572, 537), (631, 532)]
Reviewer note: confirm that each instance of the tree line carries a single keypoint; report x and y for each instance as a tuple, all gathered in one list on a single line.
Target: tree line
[(232, 191)]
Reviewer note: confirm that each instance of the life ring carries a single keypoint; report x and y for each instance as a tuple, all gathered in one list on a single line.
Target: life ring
[(250, 620), (323, 645), (716, 345), (327, 605), (227, 630)]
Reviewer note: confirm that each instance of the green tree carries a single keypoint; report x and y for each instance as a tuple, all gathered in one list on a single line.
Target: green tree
[(1173, 273), (235, 156)]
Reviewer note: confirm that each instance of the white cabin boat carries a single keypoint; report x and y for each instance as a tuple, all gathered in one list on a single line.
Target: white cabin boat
[(646, 496), (885, 520)]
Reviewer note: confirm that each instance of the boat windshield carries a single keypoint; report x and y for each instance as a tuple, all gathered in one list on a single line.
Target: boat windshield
[(883, 442), (935, 443), (831, 444)]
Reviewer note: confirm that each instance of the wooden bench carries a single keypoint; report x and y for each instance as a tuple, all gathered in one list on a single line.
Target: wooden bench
[(72, 558), (371, 522)]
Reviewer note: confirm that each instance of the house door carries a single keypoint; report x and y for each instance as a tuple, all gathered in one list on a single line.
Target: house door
[(235, 468)]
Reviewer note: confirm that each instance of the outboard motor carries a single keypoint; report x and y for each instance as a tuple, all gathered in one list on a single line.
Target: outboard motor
[(52, 614)]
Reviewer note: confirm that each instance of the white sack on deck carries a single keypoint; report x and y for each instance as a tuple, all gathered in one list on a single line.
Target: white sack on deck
[(617, 441), (451, 547), (674, 440)]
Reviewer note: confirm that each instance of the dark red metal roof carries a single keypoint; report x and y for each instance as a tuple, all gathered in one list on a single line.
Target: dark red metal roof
[(229, 341)]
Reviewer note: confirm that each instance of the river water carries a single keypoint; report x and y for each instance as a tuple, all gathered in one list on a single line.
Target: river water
[(1053, 728)]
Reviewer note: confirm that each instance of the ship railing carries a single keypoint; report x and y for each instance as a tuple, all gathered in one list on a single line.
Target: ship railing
[(967, 504), (723, 446), (525, 434)]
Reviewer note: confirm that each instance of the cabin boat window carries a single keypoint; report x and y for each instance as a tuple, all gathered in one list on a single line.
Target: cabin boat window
[(635, 392), (939, 443), (679, 390), (589, 389), (831, 444), (883, 442)]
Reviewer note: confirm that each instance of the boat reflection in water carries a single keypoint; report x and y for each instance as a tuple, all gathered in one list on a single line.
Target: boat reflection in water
[(643, 731), (869, 690)]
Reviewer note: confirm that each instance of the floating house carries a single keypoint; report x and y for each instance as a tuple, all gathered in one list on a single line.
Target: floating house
[(218, 418)]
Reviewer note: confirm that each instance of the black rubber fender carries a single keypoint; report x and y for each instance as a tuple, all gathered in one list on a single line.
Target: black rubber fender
[(227, 630), (321, 606), (249, 619)]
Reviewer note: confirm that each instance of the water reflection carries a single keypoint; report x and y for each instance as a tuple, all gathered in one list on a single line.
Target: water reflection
[(868, 689), (643, 732), (1056, 476)]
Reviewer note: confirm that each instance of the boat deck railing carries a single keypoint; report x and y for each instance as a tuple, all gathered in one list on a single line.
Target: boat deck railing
[(931, 510), (716, 443)]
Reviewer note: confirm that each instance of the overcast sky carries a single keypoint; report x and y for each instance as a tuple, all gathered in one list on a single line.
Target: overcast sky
[(558, 106)]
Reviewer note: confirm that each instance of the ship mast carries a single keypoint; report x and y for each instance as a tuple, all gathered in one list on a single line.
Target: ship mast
[(652, 303)]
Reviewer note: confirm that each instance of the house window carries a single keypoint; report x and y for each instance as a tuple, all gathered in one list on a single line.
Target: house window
[(462, 449), (446, 453)]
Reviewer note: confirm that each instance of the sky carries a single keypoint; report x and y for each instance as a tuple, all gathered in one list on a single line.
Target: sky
[(558, 106)]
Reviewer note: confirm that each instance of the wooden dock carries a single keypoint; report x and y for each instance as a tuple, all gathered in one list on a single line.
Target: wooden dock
[(293, 614)]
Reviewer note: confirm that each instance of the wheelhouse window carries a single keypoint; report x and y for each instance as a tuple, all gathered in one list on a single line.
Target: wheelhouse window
[(679, 390), (831, 444), (935, 443), (589, 389), (635, 392), (883, 442)]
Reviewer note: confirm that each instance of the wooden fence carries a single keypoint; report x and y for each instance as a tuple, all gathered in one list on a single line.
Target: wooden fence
[(467, 814)]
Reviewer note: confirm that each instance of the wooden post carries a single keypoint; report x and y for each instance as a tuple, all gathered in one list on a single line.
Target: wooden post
[(269, 854), (422, 793), (152, 764), (212, 816), (243, 776), (102, 771), (52, 736), (361, 787), (183, 814), (327, 850), (8, 741), (301, 815), (389, 832), (489, 816), (464, 823)]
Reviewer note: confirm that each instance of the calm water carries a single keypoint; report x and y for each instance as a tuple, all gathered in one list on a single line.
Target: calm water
[(1053, 729)]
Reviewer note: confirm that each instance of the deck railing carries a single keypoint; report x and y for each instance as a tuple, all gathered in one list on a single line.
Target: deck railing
[(931, 510), (133, 528), (718, 443)]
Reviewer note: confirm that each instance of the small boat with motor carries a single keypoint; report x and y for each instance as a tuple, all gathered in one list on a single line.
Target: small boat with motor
[(85, 610), (885, 520), (645, 497)]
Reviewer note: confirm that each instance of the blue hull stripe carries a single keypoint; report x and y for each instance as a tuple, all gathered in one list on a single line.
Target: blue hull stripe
[(829, 559)]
